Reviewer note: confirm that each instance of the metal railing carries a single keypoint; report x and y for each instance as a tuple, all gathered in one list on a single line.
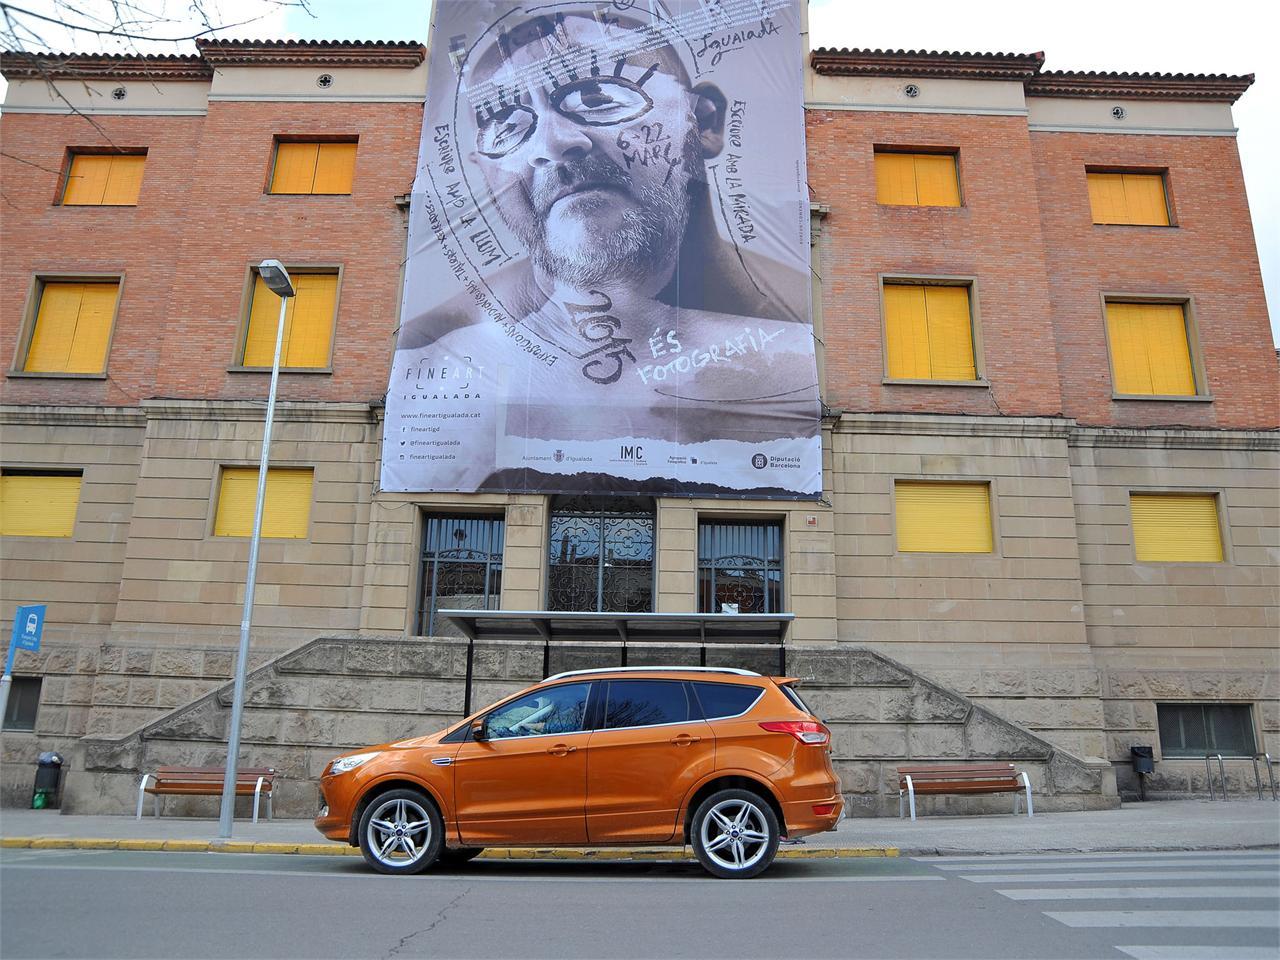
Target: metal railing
[(1271, 774), (1222, 773)]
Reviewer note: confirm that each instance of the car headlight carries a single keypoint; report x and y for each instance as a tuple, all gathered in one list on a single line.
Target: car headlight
[(345, 764)]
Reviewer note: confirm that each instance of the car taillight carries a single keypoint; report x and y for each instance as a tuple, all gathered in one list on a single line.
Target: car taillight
[(823, 809), (806, 731)]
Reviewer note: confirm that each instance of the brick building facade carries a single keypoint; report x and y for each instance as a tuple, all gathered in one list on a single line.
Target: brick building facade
[(1058, 632)]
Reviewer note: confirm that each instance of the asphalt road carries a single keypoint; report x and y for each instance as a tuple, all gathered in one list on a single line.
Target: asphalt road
[(1145, 906)]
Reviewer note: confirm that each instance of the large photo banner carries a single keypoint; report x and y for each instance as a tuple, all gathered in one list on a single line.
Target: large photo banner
[(607, 285)]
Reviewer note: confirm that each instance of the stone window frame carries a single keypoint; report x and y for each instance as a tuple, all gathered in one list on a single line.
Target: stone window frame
[(215, 493), (970, 281), (1191, 325), (1255, 723), (424, 514), (1146, 170), (997, 538), (99, 150), (940, 150), (1219, 495), (35, 714), (246, 308), (756, 517), (31, 311)]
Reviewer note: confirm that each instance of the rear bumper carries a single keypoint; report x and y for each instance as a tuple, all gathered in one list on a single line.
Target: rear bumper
[(803, 821)]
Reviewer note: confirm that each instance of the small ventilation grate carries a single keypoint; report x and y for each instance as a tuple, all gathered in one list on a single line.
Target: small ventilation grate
[(1118, 113), (324, 81), (119, 93), (911, 90)]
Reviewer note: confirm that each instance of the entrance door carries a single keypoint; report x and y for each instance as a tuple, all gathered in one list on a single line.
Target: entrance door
[(647, 755), (526, 782)]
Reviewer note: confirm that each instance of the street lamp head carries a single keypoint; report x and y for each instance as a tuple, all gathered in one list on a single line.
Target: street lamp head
[(276, 277)]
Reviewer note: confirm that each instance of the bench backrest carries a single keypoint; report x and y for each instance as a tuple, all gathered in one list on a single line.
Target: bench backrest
[(973, 771), (213, 774)]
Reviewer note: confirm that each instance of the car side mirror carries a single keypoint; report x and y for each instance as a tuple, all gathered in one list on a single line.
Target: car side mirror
[(478, 731)]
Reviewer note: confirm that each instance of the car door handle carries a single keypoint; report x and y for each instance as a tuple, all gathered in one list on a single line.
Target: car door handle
[(560, 749), (683, 740)]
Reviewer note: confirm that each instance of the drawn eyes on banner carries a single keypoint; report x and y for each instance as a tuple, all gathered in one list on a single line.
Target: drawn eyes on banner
[(601, 101), (505, 129)]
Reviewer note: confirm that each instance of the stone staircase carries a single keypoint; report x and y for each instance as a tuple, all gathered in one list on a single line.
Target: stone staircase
[(346, 691)]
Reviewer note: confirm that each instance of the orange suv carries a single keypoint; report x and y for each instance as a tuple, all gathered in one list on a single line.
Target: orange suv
[(728, 761)]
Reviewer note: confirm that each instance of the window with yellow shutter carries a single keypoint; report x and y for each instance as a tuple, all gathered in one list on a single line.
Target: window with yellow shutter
[(286, 509), (943, 516), (38, 503), (917, 179), (1128, 198), (928, 332), (103, 180), (308, 323), (72, 329), (1150, 349), (313, 168), (1176, 528)]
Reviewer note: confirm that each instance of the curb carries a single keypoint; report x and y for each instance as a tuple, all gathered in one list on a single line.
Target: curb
[(490, 853)]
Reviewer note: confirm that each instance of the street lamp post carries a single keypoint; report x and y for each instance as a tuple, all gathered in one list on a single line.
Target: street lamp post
[(277, 280)]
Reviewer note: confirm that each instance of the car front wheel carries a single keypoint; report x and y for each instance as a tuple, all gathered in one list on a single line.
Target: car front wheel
[(401, 832), (735, 834)]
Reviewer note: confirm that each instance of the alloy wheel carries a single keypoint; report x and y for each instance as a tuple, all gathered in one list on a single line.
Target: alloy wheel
[(735, 834), (399, 832)]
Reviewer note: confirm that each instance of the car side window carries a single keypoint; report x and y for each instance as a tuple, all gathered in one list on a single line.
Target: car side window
[(725, 699), (560, 709), (645, 703)]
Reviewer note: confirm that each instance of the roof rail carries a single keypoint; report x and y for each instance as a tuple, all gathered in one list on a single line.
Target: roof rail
[(580, 673)]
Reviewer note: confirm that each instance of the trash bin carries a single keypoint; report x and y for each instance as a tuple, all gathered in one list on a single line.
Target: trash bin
[(1144, 764), (47, 791)]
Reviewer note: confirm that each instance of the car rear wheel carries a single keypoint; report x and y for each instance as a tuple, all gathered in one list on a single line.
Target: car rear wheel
[(401, 832), (735, 834), (457, 856)]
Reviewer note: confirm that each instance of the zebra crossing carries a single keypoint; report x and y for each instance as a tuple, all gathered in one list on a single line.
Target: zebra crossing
[(1201, 905)]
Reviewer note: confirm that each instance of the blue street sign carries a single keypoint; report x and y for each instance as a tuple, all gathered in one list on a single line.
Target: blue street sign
[(28, 624)]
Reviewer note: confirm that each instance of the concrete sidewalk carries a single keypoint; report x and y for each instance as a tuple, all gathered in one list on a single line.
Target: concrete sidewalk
[(1164, 825)]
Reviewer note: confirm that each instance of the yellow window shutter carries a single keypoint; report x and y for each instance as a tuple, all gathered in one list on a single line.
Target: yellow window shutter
[(937, 184), (124, 181), (895, 179), (1176, 528), (950, 333), (1106, 196), (308, 323), (941, 517), (335, 168), (260, 337), (1144, 199), (38, 505), (1150, 354), (86, 180), (311, 329), (286, 508), (906, 332), (295, 167), (73, 327)]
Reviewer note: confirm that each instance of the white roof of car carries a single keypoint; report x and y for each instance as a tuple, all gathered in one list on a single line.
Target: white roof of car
[(583, 673)]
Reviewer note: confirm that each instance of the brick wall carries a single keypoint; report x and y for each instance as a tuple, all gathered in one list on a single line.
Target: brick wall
[(202, 219), (1209, 257), (994, 237)]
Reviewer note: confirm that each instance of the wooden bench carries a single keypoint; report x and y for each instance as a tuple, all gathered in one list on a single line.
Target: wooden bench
[(207, 782), (970, 778)]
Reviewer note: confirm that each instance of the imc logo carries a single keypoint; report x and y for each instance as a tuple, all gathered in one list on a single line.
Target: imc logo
[(631, 453), (759, 461)]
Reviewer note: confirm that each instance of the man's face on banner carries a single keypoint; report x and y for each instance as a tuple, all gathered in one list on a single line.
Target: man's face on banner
[(588, 154)]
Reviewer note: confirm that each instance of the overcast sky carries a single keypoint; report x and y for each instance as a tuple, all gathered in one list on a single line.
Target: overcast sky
[(1176, 36)]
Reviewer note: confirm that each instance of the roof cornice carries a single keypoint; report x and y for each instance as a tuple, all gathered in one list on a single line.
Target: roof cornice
[(101, 66), (847, 62), (1150, 86), (400, 54)]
